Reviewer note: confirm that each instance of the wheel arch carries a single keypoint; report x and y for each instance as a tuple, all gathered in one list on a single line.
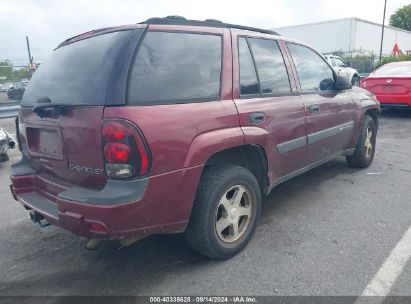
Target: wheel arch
[(251, 157), (373, 113), (355, 76)]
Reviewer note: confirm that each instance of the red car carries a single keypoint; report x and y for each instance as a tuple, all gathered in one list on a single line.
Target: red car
[(391, 83), (177, 125)]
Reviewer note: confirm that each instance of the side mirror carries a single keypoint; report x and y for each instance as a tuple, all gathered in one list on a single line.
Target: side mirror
[(326, 84), (342, 83)]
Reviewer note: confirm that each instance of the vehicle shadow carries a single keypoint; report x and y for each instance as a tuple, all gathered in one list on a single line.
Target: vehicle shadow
[(166, 255), (310, 181), (395, 113), (173, 249)]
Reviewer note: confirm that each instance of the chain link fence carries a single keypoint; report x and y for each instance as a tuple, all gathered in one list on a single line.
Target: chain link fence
[(363, 61), (363, 66)]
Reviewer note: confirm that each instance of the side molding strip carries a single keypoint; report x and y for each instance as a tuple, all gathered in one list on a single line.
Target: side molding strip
[(314, 137), (292, 144)]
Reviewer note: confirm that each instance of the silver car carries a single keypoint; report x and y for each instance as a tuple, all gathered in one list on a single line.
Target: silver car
[(343, 69)]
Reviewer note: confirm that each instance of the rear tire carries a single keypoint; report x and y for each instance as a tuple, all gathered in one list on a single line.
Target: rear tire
[(225, 212), (365, 148), (355, 81)]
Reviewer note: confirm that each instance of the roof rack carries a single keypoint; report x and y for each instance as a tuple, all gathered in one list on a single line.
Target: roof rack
[(67, 41), (179, 20)]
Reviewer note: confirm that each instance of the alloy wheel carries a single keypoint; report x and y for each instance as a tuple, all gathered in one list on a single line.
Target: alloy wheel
[(233, 214), (368, 142)]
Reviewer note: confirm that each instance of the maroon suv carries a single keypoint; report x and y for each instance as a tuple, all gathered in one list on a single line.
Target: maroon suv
[(176, 125)]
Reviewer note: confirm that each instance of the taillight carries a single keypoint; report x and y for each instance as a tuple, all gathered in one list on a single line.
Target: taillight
[(96, 227), (116, 152), (125, 153)]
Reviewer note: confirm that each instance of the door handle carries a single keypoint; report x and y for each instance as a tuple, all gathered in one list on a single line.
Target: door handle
[(258, 117), (314, 109)]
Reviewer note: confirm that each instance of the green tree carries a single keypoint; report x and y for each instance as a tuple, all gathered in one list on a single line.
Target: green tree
[(6, 71), (402, 18), (12, 73), (394, 59)]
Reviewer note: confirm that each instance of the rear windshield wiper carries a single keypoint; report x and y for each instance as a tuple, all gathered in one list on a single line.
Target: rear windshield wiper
[(44, 107)]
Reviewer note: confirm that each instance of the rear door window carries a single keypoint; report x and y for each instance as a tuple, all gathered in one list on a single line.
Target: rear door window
[(248, 76), (313, 73), (77, 73), (176, 68), (270, 66)]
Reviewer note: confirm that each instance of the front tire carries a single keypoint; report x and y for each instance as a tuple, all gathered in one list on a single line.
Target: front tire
[(225, 211), (365, 148)]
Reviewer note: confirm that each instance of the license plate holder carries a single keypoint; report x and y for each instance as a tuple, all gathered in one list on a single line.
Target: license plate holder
[(49, 143), (44, 141), (388, 88)]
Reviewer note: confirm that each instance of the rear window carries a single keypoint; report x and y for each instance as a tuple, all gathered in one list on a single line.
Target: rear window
[(77, 73), (176, 68), (270, 66), (394, 70)]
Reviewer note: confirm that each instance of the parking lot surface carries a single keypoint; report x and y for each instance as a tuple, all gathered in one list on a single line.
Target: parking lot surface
[(326, 232)]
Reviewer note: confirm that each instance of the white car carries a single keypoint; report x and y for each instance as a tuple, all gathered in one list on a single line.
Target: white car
[(343, 69), (6, 142)]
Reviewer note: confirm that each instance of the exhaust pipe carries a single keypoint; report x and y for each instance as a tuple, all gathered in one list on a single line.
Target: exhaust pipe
[(37, 218)]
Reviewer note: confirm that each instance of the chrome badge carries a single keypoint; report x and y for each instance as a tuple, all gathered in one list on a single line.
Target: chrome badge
[(86, 170)]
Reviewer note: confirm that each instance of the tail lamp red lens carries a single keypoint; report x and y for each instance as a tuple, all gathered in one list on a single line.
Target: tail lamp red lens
[(96, 227), (125, 153), (114, 131), (116, 152)]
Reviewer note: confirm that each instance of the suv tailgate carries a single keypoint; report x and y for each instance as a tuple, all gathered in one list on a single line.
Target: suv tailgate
[(63, 143)]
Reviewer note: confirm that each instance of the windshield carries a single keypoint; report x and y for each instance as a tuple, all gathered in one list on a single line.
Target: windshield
[(394, 69), (77, 73)]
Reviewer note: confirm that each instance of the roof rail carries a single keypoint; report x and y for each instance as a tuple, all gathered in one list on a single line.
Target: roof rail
[(67, 41), (213, 20), (176, 17), (178, 20)]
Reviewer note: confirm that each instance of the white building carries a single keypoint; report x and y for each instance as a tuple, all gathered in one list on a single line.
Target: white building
[(350, 35)]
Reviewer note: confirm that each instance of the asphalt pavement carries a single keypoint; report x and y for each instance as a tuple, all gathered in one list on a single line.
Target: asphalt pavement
[(326, 232)]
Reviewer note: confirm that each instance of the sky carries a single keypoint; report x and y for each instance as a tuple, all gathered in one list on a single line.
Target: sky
[(49, 22)]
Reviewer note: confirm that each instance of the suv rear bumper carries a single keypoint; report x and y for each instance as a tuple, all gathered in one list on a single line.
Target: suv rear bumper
[(148, 211)]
